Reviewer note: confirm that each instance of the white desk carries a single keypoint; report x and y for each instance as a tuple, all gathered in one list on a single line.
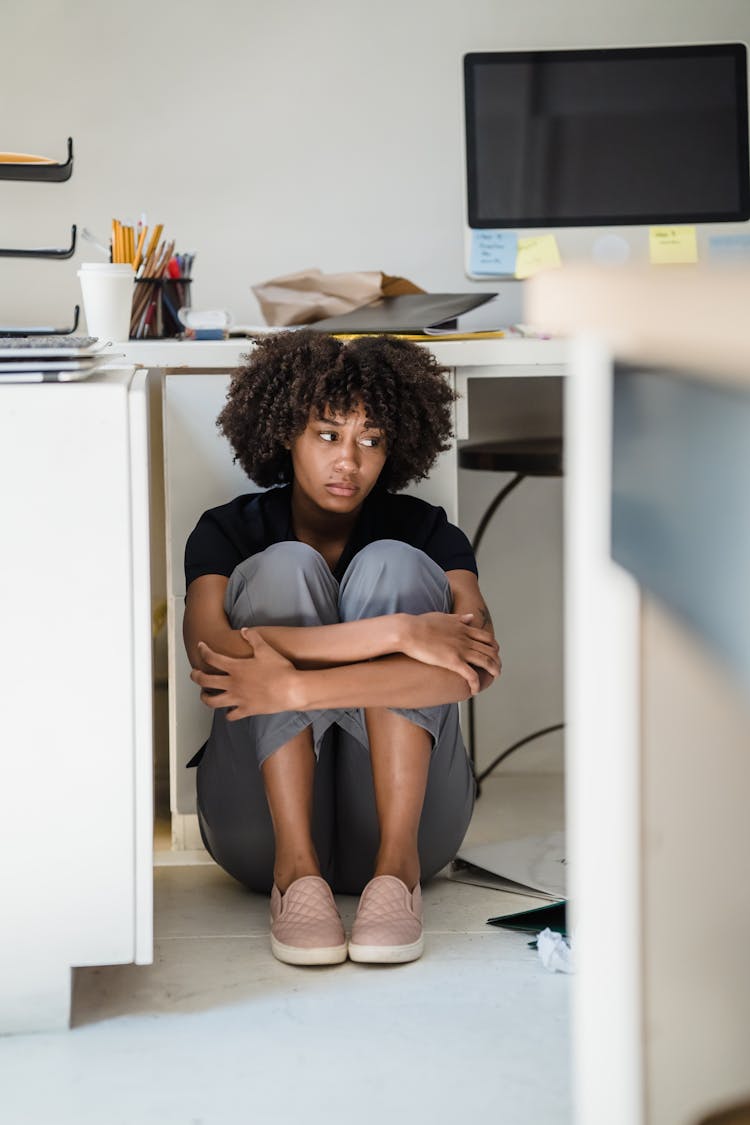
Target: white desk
[(76, 829), (199, 474), (75, 602)]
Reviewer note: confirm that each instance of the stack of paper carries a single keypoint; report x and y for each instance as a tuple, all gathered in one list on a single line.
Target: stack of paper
[(531, 865)]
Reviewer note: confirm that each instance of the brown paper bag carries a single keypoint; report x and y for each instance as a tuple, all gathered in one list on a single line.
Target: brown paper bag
[(307, 296)]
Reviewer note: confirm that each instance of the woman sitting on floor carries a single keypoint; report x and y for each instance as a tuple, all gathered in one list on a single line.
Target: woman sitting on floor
[(333, 626)]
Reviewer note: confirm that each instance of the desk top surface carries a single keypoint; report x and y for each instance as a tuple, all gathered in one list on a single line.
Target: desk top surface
[(205, 354)]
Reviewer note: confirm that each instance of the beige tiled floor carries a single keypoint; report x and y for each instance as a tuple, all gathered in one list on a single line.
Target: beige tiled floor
[(216, 1031)]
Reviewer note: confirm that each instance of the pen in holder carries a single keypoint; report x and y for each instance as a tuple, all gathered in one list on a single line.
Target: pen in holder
[(155, 304)]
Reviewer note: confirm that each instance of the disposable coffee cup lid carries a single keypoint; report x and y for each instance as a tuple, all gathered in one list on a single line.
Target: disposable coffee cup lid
[(106, 267)]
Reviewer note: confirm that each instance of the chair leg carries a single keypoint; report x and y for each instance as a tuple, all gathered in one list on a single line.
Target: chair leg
[(479, 777), (482, 525), (470, 740), (478, 536)]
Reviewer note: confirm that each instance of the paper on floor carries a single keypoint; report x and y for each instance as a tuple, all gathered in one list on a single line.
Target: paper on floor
[(530, 865), (554, 952)]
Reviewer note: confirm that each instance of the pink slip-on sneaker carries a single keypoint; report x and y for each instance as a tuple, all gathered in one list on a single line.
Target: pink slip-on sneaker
[(388, 925), (306, 928)]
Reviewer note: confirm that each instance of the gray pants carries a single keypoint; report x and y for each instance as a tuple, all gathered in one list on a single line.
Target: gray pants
[(290, 584)]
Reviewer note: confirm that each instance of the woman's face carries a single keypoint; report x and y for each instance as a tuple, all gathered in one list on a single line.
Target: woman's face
[(337, 459)]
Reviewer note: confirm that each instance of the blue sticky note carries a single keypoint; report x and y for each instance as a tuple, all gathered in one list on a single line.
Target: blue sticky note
[(729, 247), (493, 253)]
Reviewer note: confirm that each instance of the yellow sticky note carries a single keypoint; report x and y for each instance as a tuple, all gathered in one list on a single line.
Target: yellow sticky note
[(669, 246), (537, 253)]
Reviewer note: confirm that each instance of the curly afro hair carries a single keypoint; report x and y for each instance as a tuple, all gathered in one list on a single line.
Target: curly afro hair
[(289, 375)]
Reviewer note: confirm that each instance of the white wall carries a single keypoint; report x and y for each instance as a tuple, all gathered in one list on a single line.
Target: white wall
[(270, 136)]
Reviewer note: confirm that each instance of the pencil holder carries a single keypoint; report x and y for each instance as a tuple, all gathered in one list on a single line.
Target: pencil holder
[(155, 304)]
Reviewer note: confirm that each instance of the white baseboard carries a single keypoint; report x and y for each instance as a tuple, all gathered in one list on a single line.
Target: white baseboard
[(185, 846), (197, 857), (186, 834)]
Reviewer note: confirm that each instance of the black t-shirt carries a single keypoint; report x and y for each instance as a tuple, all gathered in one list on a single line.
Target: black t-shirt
[(225, 536)]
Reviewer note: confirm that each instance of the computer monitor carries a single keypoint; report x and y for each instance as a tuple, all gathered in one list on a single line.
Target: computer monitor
[(606, 138)]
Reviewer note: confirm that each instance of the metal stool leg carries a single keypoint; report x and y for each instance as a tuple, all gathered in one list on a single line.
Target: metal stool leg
[(479, 778), (478, 535), (482, 525)]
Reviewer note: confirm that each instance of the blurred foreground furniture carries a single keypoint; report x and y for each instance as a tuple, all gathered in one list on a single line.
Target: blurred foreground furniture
[(657, 669)]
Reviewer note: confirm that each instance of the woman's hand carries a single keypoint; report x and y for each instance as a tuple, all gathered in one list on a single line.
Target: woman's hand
[(262, 683), (449, 640)]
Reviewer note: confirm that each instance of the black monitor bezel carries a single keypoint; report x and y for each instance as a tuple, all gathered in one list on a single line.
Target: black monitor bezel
[(737, 51)]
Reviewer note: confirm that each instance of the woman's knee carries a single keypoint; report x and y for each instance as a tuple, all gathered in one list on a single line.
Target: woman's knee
[(288, 583), (389, 576), (281, 561)]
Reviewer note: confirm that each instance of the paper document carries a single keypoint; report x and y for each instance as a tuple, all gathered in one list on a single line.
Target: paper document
[(729, 247), (672, 245), (535, 253), (493, 253), (531, 865)]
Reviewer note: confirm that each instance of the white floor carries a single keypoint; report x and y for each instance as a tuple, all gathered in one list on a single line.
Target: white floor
[(218, 1032)]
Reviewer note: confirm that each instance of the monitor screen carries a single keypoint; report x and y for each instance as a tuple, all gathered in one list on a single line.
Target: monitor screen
[(607, 136)]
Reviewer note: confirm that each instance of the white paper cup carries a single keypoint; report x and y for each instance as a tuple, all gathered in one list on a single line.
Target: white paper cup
[(107, 289)]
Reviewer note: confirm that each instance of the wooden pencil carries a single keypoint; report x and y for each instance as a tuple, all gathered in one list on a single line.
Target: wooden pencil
[(155, 236), (139, 248)]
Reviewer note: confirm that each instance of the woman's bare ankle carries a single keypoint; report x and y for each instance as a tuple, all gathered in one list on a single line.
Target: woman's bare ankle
[(286, 871), (405, 868)]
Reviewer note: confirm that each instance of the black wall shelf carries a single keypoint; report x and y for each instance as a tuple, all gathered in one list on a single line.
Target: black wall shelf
[(42, 173), (43, 330), (45, 173), (63, 253)]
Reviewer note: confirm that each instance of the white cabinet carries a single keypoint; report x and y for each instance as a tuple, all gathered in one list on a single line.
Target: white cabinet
[(75, 669)]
